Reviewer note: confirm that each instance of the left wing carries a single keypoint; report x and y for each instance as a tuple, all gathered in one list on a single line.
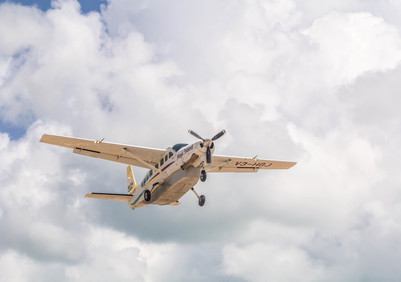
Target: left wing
[(238, 164), (112, 197), (126, 154)]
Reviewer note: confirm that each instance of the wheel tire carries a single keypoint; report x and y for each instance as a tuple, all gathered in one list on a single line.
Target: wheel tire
[(147, 195), (203, 176), (202, 200)]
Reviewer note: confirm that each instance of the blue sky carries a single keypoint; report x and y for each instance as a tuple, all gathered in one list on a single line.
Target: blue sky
[(86, 6), (315, 82), (15, 132)]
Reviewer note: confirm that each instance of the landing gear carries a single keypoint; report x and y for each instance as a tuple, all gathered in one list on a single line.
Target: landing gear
[(147, 195), (201, 198), (203, 175)]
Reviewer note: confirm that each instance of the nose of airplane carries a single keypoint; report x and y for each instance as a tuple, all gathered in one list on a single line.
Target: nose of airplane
[(208, 143)]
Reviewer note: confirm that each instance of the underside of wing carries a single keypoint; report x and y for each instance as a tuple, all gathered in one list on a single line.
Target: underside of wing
[(112, 197), (126, 154), (238, 164)]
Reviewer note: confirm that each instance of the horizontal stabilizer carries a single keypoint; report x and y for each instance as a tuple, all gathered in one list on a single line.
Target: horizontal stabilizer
[(109, 196)]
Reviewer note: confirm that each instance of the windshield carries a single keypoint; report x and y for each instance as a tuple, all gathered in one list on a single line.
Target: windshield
[(178, 146)]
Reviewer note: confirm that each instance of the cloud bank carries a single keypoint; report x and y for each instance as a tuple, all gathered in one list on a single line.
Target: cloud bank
[(293, 80)]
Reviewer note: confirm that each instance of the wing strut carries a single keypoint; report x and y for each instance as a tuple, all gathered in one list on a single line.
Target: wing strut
[(142, 161), (220, 165)]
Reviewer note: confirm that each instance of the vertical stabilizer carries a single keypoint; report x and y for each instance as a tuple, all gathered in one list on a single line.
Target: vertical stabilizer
[(131, 183)]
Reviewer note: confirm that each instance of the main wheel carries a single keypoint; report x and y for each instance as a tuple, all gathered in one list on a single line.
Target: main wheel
[(147, 195), (202, 200), (203, 175)]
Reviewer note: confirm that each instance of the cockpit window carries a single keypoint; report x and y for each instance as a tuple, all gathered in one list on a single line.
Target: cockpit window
[(178, 146)]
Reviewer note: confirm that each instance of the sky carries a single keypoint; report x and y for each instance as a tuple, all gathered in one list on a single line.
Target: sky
[(316, 82)]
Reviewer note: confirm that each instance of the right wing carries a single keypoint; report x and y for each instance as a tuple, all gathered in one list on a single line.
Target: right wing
[(126, 154), (238, 164)]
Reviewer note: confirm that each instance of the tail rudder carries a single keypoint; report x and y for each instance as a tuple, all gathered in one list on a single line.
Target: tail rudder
[(131, 183)]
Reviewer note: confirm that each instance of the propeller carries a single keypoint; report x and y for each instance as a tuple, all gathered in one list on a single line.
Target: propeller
[(218, 135), (208, 142)]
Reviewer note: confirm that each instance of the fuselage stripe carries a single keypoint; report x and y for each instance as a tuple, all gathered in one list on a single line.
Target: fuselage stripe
[(164, 168)]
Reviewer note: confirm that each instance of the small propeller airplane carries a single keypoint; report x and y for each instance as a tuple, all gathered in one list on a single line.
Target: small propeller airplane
[(172, 172)]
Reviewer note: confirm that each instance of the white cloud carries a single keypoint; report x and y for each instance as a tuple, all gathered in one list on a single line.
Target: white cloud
[(287, 79), (16, 268), (351, 44), (261, 262)]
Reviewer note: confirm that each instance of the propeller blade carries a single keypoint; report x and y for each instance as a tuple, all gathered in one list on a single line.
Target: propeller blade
[(207, 143), (195, 134), (218, 135), (208, 155)]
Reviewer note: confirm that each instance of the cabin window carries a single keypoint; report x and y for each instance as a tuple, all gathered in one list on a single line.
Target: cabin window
[(165, 158), (161, 162), (150, 173), (170, 154), (157, 166)]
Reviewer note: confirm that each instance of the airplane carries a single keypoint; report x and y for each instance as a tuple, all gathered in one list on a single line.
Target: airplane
[(172, 172)]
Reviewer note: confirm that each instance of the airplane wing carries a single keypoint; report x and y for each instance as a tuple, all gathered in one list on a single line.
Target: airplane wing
[(112, 197), (126, 154), (238, 164)]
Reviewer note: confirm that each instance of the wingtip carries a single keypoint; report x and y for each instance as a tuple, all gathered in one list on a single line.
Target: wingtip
[(42, 138)]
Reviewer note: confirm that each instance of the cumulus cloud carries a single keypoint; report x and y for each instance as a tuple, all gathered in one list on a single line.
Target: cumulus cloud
[(289, 80), (351, 44), (261, 262)]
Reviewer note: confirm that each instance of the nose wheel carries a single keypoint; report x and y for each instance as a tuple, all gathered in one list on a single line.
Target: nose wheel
[(201, 198)]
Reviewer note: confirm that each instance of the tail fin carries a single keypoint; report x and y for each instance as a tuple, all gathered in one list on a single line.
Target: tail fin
[(131, 183)]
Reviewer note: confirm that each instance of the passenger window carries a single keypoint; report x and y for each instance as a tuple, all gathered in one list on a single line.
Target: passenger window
[(157, 166), (161, 162), (170, 154), (165, 158)]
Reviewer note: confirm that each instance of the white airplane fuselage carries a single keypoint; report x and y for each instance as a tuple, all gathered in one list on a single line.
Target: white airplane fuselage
[(176, 173)]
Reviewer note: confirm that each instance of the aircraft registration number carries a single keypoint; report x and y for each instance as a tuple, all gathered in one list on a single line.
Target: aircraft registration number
[(253, 164)]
